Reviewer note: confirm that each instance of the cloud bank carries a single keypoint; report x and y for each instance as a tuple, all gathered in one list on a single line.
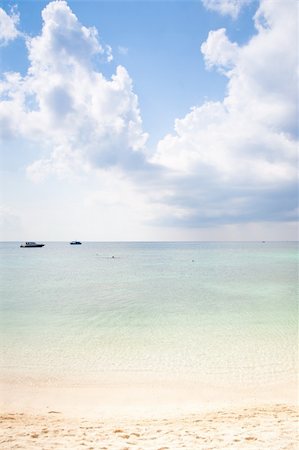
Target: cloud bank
[(236, 160), (226, 162)]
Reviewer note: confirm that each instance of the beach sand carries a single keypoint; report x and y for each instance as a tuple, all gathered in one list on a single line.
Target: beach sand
[(121, 417), (264, 427)]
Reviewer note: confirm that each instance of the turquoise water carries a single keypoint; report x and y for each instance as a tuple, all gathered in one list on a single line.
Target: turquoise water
[(213, 312)]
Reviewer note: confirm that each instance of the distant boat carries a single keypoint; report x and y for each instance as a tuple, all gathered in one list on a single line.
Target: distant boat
[(31, 245), (75, 243)]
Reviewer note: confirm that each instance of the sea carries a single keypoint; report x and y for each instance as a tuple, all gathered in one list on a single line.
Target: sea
[(218, 313)]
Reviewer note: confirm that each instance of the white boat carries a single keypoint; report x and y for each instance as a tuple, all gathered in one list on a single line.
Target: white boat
[(31, 245)]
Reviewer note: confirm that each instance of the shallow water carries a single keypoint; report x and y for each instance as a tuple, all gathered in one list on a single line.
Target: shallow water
[(218, 313)]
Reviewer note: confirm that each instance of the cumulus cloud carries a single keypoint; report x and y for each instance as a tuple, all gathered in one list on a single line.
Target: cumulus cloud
[(219, 51), (8, 26), (236, 160), (79, 118), (226, 162), (226, 7)]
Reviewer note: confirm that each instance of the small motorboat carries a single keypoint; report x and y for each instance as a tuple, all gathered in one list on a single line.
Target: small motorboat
[(75, 243), (31, 245)]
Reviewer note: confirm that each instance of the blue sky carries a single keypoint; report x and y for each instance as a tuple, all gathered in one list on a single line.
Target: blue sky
[(161, 41), (148, 120)]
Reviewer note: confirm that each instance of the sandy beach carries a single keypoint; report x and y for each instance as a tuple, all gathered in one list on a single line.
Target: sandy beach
[(122, 417), (264, 427)]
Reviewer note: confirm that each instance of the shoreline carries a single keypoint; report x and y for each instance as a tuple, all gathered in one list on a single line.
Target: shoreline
[(138, 397)]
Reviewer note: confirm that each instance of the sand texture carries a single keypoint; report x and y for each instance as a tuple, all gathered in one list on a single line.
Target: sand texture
[(267, 427)]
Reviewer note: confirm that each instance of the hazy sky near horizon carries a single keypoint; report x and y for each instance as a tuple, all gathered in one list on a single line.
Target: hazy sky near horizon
[(149, 120)]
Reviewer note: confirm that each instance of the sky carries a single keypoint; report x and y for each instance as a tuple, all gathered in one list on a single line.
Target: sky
[(149, 120)]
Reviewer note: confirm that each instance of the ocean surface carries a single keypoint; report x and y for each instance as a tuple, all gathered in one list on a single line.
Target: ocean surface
[(217, 313)]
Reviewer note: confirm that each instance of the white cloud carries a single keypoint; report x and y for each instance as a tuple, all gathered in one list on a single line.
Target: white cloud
[(8, 26), (64, 42), (219, 51), (226, 162), (236, 160), (116, 193), (80, 118), (226, 7)]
